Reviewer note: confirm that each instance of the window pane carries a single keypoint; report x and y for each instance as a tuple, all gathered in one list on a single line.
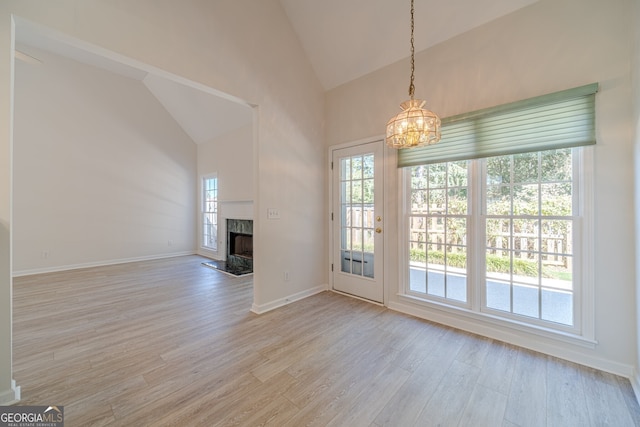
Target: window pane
[(356, 217), (457, 231), (437, 201), (356, 191), (557, 306), (499, 295), (356, 167), (345, 242), (525, 199), (367, 217), (525, 168), (498, 200), (457, 202), (368, 240), (435, 283), (556, 199), (457, 287), (498, 233), (498, 264), (556, 165), (419, 177), (345, 216), (367, 166), (419, 202), (345, 169), (437, 175), (345, 261), (525, 300), (356, 239), (456, 278), (418, 279), (458, 174), (367, 191), (345, 192), (498, 170)]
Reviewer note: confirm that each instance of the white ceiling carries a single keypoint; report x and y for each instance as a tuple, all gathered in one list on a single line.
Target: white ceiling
[(343, 39), (346, 39), (203, 113)]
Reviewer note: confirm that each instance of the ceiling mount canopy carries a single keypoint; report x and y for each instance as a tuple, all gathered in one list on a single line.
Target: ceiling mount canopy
[(414, 126)]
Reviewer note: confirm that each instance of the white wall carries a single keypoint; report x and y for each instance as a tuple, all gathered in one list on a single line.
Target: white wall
[(245, 48), (7, 392), (546, 47), (635, 81), (102, 173), (230, 157)]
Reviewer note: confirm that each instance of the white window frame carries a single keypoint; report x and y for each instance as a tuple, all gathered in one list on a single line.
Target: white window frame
[(204, 212), (583, 330)]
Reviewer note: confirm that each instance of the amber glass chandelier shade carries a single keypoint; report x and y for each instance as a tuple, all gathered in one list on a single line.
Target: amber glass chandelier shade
[(413, 126)]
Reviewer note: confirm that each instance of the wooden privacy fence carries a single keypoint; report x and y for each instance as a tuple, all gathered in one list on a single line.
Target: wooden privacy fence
[(553, 249)]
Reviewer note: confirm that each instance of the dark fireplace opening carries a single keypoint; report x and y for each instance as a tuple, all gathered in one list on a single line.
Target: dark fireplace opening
[(241, 245)]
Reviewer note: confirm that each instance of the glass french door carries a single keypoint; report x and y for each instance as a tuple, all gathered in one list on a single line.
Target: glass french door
[(357, 220)]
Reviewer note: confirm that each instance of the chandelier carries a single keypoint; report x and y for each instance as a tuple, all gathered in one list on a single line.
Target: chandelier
[(413, 126)]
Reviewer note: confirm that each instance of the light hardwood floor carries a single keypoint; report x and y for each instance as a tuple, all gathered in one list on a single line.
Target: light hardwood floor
[(171, 342)]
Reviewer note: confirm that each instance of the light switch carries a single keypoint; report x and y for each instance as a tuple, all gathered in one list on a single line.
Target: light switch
[(273, 213)]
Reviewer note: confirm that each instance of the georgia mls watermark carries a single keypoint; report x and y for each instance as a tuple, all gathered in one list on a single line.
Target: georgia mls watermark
[(31, 416)]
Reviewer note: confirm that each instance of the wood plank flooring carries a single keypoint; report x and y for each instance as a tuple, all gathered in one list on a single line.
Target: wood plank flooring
[(171, 342)]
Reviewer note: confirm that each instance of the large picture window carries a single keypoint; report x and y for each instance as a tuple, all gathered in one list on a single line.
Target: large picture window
[(512, 242), (496, 216)]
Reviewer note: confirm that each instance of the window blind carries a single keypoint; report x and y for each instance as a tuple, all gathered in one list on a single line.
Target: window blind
[(558, 120)]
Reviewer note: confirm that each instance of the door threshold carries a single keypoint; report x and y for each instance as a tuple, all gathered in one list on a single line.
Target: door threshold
[(357, 297)]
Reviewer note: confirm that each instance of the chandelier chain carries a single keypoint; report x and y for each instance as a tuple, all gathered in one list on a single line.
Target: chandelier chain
[(411, 86)]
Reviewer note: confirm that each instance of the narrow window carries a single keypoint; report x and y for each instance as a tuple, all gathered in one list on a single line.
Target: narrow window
[(210, 213)]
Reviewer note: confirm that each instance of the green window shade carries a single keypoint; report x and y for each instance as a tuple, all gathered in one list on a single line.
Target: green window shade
[(558, 120)]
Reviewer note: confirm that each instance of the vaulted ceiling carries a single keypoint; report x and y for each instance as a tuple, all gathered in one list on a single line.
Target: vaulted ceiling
[(343, 39), (346, 39)]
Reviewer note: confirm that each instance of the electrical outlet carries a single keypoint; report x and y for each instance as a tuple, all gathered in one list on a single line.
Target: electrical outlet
[(169, 242), (286, 275), (44, 254)]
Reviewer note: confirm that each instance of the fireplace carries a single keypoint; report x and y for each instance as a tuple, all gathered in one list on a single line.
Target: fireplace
[(240, 244)]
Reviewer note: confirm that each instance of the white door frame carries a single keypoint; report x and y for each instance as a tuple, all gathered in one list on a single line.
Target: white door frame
[(389, 212)]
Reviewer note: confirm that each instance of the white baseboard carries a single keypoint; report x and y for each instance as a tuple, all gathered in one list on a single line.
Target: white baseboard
[(573, 352), (635, 384), (11, 396), (28, 272), (263, 308)]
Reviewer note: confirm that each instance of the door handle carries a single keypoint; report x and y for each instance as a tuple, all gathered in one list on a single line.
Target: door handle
[(378, 230)]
